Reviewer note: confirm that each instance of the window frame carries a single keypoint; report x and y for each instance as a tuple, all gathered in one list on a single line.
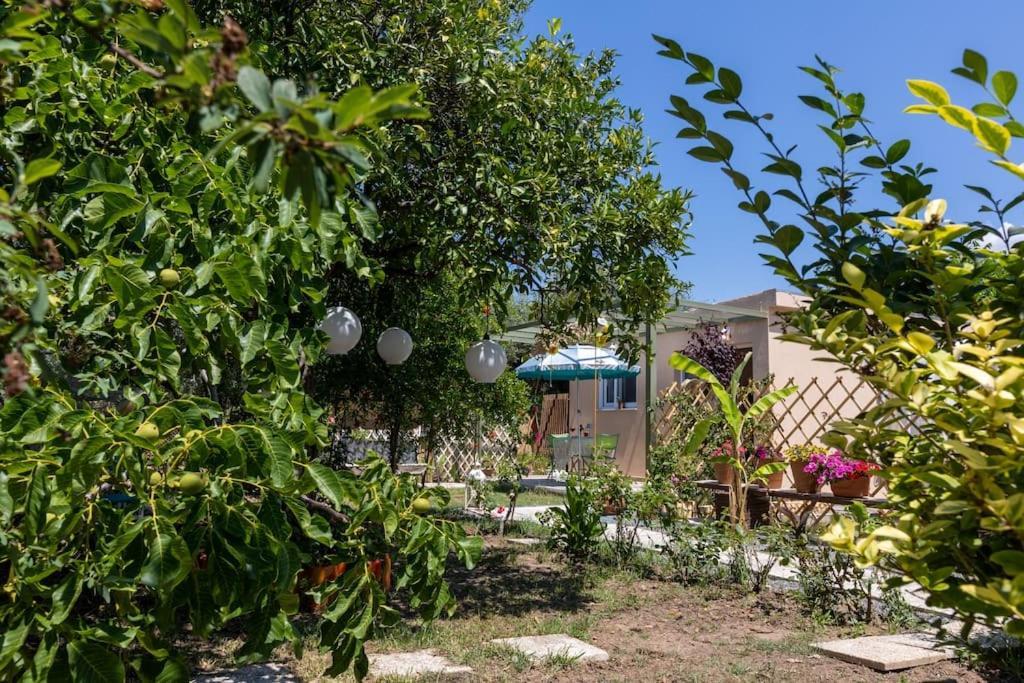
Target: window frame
[(619, 392)]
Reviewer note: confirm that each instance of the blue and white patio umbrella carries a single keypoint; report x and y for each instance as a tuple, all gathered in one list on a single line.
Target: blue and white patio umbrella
[(576, 363)]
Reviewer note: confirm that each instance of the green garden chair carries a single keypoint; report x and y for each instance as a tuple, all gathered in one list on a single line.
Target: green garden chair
[(605, 445)]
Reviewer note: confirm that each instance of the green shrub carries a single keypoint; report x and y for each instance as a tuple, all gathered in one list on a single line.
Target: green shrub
[(576, 530), (930, 312), (694, 552)]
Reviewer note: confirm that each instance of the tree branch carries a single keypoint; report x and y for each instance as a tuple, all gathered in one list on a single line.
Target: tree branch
[(327, 511)]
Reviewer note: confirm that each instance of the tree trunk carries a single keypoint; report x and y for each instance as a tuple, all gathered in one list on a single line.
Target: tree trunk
[(395, 439)]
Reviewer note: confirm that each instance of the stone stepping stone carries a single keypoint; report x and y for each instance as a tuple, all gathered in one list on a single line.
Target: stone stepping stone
[(559, 644), (257, 673), (887, 653), (525, 541), (410, 664)]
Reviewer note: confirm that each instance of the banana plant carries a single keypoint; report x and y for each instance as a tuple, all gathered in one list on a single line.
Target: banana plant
[(738, 419)]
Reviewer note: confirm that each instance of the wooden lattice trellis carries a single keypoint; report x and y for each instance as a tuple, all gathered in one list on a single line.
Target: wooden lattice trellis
[(454, 457), (805, 417)]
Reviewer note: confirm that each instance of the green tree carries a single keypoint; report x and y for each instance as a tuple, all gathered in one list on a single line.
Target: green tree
[(168, 219), (529, 173), (928, 311), (432, 389)]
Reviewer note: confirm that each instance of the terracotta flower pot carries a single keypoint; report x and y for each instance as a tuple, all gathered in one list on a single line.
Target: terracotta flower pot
[(724, 473), (852, 488), (772, 481), (802, 482), (612, 507)]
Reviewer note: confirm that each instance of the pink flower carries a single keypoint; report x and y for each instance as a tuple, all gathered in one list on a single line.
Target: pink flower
[(834, 466), (501, 510)]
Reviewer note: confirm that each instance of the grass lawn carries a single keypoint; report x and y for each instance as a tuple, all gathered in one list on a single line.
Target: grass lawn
[(653, 630), (525, 499)]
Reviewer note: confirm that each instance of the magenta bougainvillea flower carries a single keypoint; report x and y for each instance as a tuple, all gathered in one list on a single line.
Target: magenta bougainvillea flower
[(834, 466)]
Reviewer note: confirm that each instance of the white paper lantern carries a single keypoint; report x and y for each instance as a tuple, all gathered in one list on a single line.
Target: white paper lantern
[(343, 328), (394, 345), (485, 361)]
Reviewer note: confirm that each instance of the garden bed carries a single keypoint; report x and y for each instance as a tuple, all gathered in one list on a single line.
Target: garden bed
[(659, 630)]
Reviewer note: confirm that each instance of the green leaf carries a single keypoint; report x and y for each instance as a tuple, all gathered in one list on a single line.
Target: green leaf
[(958, 116), (37, 502), (933, 93), (976, 67), (989, 109), (41, 302), (706, 154), (992, 136), (697, 436), (39, 169), (92, 663), (256, 86), (787, 238), (6, 501), (1004, 84), (328, 483), (730, 82), (168, 563), (1016, 169), (1010, 560), (763, 404), (897, 151)]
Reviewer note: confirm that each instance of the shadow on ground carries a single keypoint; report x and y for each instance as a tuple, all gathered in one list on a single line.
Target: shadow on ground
[(509, 583)]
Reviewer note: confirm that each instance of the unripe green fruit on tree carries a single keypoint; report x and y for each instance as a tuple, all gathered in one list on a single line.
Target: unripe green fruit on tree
[(192, 484), (155, 478), (148, 431), (169, 278), (421, 505)]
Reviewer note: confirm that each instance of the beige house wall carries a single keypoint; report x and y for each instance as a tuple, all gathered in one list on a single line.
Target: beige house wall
[(770, 356)]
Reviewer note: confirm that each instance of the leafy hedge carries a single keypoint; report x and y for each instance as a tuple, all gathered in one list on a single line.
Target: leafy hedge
[(927, 310)]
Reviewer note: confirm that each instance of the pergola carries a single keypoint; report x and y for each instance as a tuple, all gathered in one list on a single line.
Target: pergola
[(687, 315)]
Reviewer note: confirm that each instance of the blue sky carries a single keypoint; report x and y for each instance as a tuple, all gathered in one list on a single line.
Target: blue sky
[(877, 44)]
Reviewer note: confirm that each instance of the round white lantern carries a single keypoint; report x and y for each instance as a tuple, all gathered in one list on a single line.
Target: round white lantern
[(343, 328), (485, 361), (394, 345)]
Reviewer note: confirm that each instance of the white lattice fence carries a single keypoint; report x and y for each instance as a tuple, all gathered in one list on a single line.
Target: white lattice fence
[(454, 456)]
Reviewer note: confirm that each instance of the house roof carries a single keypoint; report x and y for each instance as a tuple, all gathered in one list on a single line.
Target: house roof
[(685, 316)]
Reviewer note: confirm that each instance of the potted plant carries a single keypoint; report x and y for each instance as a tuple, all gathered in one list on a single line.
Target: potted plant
[(725, 471), (849, 477), (798, 457), (763, 455), (612, 486)]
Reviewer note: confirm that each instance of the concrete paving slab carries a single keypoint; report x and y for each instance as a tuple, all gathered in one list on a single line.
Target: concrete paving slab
[(258, 673), (525, 541), (419, 663), (559, 644), (886, 653)]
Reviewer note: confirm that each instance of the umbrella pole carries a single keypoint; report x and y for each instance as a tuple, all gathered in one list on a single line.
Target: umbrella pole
[(579, 423)]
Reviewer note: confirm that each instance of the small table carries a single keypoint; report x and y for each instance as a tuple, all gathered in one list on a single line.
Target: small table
[(799, 517)]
